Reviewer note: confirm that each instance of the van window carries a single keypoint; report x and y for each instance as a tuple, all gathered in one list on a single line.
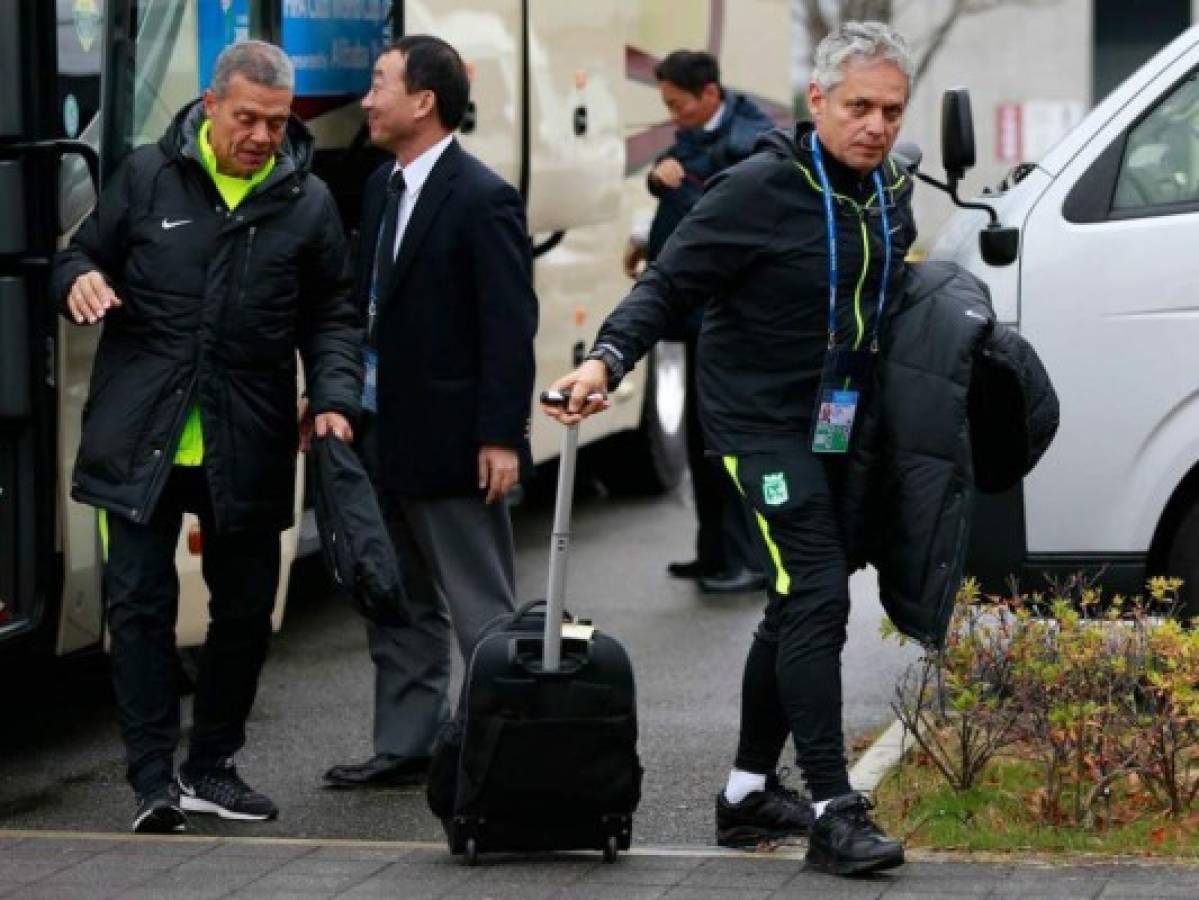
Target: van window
[(1161, 160)]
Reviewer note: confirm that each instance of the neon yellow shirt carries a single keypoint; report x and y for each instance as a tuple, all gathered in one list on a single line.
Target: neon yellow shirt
[(233, 190)]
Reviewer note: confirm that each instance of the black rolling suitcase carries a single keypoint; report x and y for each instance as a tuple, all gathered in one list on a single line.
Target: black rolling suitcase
[(542, 754)]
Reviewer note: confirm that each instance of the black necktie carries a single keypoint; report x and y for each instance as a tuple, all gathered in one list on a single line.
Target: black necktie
[(385, 252)]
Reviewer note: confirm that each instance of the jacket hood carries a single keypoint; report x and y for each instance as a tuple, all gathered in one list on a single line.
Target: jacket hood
[(781, 142), (179, 139), (743, 121)]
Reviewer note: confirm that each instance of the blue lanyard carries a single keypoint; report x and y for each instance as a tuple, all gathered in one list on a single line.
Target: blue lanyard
[(831, 227)]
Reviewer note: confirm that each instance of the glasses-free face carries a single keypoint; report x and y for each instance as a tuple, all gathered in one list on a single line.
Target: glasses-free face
[(688, 110), (248, 124), (393, 114), (858, 120)]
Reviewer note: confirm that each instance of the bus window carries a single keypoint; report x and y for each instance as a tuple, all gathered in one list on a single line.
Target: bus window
[(148, 86), (165, 75)]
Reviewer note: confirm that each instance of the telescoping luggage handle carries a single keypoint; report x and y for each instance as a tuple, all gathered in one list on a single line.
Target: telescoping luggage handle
[(555, 592)]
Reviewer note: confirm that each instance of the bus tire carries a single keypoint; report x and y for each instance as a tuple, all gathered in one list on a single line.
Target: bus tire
[(651, 458), (1183, 563)]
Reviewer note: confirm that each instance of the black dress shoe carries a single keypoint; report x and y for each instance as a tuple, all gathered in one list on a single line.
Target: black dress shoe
[(382, 769), (693, 569), (741, 581)]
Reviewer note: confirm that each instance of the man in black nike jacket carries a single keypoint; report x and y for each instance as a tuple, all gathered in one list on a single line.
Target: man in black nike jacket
[(212, 256)]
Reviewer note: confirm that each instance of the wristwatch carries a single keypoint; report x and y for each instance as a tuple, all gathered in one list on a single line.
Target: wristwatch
[(613, 361)]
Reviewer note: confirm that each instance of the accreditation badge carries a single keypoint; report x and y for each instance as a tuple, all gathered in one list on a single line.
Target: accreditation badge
[(843, 384), (370, 379)]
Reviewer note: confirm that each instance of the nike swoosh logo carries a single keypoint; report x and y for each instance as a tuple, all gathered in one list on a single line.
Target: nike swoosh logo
[(972, 314), (167, 224)]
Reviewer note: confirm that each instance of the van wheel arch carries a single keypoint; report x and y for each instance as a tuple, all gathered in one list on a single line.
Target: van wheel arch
[(1174, 550)]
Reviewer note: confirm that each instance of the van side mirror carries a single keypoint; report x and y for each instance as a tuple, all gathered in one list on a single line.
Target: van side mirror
[(999, 246), (957, 133)]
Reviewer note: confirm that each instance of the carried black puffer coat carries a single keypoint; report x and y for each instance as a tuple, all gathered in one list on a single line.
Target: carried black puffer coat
[(215, 305), (962, 403), (355, 543)]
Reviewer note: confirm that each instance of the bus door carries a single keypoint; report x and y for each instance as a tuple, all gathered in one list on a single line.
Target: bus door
[(49, 93)]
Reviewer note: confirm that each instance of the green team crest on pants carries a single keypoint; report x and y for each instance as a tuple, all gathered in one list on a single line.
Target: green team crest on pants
[(774, 488)]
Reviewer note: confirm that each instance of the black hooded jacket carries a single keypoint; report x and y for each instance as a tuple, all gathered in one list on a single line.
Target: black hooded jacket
[(756, 245), (215, 305)]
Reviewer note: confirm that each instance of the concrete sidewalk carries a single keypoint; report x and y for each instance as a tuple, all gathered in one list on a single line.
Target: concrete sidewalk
[(69, 866)]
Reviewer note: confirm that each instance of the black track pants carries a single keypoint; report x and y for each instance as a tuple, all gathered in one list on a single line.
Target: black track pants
[(241, 570), (792, 680)]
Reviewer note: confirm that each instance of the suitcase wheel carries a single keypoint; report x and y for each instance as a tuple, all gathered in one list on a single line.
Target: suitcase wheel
[(472, 852), (611, 848)]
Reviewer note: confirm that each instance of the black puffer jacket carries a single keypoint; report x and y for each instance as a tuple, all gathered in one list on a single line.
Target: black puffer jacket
[(215, 304), (355, 543), (962, 403)]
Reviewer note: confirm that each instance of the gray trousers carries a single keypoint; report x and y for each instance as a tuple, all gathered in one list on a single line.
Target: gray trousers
[(458, 562)]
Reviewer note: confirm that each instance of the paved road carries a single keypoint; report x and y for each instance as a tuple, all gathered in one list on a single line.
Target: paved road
[(60, 757), (66, 868)]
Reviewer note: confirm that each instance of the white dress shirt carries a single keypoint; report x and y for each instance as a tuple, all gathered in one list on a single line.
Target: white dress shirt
[(717, 117), (416, 173)]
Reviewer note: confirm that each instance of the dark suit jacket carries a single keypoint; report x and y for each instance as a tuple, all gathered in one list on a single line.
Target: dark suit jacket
[(454, 330)]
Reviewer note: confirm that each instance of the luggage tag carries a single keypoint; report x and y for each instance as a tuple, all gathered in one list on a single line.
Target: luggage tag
[(370, 379), (577, 631), (843, 384)]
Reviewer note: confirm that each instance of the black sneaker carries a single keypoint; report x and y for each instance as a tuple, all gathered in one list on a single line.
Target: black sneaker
[(769, 815), (221, 791), (158, 812), (845, 840)]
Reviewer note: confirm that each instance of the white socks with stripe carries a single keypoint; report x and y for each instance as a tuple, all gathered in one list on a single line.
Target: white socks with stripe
[(742, 784)]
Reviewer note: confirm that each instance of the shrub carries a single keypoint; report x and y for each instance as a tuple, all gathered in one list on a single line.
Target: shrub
[(1098, 692)]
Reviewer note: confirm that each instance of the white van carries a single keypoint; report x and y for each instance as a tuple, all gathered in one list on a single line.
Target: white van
[(1105, 284)]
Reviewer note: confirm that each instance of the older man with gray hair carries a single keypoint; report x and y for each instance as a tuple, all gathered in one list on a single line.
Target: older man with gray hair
[(211, 256), (799, 247)]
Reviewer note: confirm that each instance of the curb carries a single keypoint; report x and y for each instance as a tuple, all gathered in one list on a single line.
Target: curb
[(794, 852), (887, 750)]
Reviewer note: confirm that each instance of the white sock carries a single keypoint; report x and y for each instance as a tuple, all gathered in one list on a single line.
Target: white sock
[(742, 784), (819, 806)]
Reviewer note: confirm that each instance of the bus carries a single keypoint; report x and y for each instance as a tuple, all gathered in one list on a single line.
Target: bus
[(563, 105)]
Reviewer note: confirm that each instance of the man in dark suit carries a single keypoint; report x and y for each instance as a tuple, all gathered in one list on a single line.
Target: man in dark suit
[(717, 128), (444, 280)]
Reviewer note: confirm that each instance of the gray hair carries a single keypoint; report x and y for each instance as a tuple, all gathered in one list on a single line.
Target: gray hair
[(255, 61), (865, 41)]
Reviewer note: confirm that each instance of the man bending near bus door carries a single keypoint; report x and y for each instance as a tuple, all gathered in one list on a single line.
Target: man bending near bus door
[(716, 128), (211, 256), (800, 248), (444, 280)]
